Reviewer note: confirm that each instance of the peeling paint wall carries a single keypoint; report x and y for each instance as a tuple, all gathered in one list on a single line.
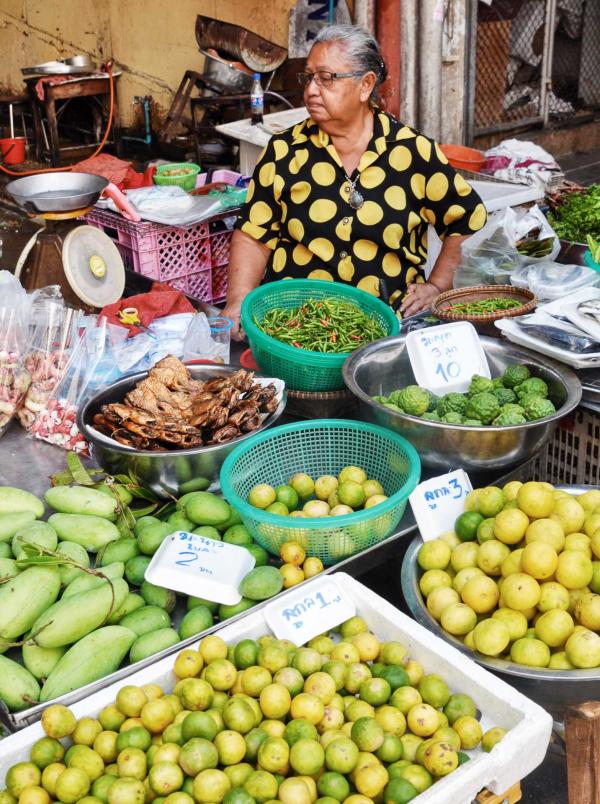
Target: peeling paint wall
[(152, 41)]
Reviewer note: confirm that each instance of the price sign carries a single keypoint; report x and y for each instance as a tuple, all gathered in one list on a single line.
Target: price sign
[(310, 610), (437, 502), (444, 359), (194, 565)]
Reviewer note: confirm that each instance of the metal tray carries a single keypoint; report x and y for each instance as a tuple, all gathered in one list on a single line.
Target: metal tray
[(57, 68), (555, 690)]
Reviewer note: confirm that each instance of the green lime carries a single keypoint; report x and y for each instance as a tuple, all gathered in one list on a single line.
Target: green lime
[(391, 749), (288, 496), (334, 785), (137, 737), (395, 676), (278, 508), (485, 530), (466, 525), (399, 791), (198, 724), (245, 654), (237, 795)]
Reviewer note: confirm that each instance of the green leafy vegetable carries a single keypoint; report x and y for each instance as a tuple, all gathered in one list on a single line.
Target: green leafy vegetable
[(578, 216)]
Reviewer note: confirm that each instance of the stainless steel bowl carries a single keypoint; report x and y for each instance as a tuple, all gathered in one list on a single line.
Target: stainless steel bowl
[(384, 366), (555, 690), (163, 472)]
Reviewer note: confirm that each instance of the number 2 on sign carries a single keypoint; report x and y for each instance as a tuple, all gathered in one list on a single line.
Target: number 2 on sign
[(448, 372)]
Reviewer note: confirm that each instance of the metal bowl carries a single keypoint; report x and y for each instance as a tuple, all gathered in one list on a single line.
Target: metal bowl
[(163, 472), (384, 366), (555, 690)]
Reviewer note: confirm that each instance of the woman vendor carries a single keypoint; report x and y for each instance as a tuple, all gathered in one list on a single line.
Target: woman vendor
[(347, 194)]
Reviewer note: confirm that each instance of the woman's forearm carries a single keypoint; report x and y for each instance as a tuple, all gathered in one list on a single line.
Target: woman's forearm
[(247, 262), (448, 260)]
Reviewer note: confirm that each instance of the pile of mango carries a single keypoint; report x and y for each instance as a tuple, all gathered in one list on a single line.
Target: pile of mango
[(74, 604)]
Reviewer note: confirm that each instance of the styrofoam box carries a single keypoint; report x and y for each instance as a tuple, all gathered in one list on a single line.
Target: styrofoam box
[(528, 725)]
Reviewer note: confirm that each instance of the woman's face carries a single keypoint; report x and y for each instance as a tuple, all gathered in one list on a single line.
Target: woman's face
[(342, 100)]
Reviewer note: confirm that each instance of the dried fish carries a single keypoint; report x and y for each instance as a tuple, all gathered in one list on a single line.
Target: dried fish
[(170, 410)]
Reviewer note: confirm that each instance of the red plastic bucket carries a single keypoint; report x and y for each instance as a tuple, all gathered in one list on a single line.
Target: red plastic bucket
[(13, 150)]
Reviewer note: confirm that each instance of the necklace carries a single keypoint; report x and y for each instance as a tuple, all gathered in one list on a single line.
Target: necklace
[(355, 198)]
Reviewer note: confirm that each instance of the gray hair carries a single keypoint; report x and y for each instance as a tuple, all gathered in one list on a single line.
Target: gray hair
[(361, 47)]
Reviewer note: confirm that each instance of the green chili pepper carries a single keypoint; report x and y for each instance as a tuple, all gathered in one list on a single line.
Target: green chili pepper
[(325, 325)]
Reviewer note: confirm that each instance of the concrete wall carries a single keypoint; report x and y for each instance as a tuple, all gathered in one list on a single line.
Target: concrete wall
[(152, 41)]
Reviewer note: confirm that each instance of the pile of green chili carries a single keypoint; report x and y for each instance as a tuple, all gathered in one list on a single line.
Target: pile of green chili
[(324, 325), (485, 306)]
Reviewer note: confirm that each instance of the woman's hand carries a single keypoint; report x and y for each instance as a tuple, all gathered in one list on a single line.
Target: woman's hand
[(232, 310), (419, 296)]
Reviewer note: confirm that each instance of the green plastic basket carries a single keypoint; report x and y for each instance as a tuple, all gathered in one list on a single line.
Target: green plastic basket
[(186, 180), (321, 447), (301, 369)]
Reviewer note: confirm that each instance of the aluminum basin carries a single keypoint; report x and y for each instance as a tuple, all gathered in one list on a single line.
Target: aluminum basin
[(163, 472), (555, 690), (384, 366)]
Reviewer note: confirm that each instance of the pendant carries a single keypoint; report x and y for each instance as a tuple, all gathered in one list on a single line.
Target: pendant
[(355, 199)]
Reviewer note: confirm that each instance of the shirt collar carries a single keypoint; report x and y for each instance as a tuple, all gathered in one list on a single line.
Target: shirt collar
[(384, 131)]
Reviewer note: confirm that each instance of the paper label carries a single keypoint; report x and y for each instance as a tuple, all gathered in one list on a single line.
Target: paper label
[(436, 503), (310, 610), (445, 358), (194, 565)]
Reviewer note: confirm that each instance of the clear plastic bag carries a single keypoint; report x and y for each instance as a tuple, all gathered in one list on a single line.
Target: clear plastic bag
[(15, 308), (553, 280), (91, 366), (523, 233), (53, 331)]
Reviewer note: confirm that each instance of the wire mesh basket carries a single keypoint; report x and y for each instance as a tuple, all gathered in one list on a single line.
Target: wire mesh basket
[(322, 447)]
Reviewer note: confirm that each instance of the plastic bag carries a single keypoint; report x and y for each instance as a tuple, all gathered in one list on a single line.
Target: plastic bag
[(552, 280), (53, 331), (91, 366), (15, 308), (522, 232)]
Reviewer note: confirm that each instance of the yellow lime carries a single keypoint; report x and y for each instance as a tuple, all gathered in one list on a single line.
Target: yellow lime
[(583, 648), (539, 560), (490, 501), (574, 569), (262, 495), (458, 619), (520, 591), (481, 594), (490, 556), (515, 621), (464, 575), (510, 525), (536, 499), (549, 531), (554, 627), (491, 637), (303, 485), (434, 554), (570, 513), (553, 596), (530, 652), (511, 489)]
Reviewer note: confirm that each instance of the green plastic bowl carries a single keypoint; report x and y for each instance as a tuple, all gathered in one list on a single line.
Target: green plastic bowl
[(301, 369), (322, 447), (186, 180)]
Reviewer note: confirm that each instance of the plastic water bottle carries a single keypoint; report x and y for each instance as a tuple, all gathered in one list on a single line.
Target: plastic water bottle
[(257, 101)]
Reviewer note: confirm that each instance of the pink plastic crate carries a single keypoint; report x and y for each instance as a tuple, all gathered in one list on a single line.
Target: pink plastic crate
[(219, 283), (176, 255)]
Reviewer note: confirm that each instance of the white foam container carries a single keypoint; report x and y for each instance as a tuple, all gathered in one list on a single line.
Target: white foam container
[(528, 725)]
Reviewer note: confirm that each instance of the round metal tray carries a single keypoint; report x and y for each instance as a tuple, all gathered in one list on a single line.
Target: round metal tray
[(555, 690)]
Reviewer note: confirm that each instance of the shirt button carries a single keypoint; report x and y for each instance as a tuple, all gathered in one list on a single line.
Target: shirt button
[(343, 255), (346, 220)]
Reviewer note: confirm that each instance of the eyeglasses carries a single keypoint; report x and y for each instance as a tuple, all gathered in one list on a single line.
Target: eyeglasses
[(323, 78)]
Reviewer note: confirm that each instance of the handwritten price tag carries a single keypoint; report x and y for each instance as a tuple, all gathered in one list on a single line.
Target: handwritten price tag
[(309, 611), (437, 502), (194, 565), (444, 358)]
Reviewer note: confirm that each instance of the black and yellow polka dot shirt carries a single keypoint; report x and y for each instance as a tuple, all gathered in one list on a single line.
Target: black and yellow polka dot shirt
[(297, 205)]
